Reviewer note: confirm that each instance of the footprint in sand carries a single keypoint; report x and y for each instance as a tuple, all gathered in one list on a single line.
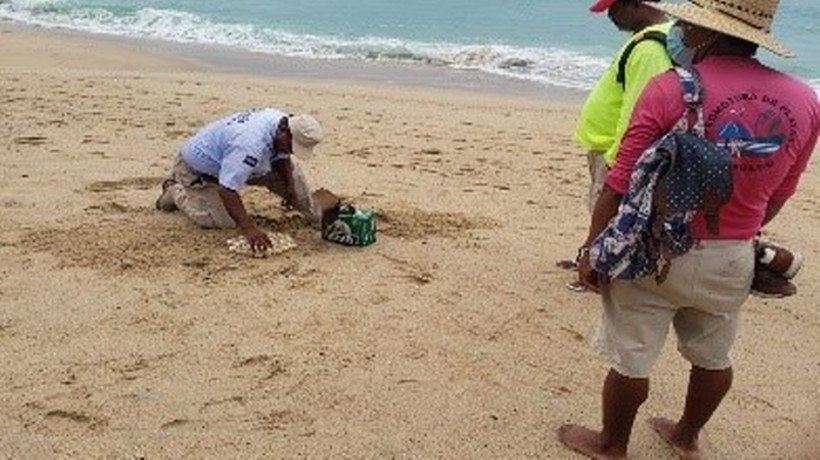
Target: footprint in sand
[(61, 419), (175, 423), (69, 415), (287, 420), (88, 139), (139, 183), (30, 140)]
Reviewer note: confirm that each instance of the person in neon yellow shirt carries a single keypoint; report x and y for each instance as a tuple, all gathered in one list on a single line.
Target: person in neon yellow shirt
[(608, 107)]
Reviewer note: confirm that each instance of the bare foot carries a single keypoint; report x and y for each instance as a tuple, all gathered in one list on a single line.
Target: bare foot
[(667, 429), (587, 442)]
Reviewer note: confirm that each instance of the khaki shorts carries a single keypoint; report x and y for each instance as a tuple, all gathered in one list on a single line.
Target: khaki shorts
[(701, 297)]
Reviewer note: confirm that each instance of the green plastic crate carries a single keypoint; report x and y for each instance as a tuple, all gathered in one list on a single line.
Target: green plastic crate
[(352, 227)]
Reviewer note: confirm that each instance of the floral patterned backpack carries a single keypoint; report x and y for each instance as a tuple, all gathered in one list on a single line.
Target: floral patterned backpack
[(679, 175)]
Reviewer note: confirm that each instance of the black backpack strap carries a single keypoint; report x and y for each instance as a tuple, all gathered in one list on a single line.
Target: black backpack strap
[(654, 35)]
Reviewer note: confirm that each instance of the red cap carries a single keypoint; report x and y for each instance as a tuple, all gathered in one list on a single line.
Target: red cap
[(602, 5)]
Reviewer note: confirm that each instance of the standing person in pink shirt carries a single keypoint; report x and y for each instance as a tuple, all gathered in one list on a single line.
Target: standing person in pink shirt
[(770, 121)]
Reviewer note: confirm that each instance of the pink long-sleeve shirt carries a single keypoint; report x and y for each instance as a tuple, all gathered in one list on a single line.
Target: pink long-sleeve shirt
[(776, 114)]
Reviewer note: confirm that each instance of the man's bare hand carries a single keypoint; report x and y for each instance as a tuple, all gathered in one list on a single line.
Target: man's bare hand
[(325, 199), (289, 199), (587, 275), (257, 239)]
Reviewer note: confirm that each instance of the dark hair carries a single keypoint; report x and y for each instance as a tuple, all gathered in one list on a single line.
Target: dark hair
[(745, 46)]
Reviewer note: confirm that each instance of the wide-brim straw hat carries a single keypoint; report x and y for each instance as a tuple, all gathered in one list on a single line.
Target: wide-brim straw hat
[(750, 20)]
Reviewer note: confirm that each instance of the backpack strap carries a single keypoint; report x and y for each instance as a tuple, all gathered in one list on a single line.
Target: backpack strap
[(693, 97), (654, 35), (691, 85)]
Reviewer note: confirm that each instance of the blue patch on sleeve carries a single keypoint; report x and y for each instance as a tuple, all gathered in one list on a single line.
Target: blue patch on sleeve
[(250, 161)]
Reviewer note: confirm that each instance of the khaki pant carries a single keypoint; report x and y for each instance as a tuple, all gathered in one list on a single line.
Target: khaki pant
[(700, 298), (597, 176), (199, 199)]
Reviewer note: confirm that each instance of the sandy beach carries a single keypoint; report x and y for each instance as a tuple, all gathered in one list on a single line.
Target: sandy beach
[(126, 332)]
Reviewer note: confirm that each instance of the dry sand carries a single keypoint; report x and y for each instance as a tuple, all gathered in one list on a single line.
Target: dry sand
[(128, 333)]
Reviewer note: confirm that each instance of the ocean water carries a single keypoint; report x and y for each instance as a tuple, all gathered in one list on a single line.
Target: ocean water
[(551, 42)]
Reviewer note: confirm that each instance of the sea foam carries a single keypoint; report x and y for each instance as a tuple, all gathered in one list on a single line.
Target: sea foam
[(549, 66)]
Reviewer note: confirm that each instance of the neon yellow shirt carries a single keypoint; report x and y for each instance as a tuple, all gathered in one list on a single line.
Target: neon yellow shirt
[(605, 116)]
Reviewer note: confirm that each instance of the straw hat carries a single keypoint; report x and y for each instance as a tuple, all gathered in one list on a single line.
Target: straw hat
[(750, 20)]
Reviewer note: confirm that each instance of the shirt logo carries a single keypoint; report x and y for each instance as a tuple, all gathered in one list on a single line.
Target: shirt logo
[(242, 117), (753, 125), (735, 134)]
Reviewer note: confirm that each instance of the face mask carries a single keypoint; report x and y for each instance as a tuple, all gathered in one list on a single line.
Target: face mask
[(681, 54)]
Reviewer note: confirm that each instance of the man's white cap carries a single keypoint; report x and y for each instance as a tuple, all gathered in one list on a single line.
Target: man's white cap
[(307, 132)]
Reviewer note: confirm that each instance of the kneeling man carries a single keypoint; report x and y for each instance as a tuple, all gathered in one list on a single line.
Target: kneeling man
[(250, 147)]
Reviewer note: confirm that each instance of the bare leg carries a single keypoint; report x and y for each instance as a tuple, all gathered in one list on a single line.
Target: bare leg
[(706, 390), (622, 396)]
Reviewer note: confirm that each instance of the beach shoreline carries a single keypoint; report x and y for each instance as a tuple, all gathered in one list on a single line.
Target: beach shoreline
[(128, 332), (225, 59)]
